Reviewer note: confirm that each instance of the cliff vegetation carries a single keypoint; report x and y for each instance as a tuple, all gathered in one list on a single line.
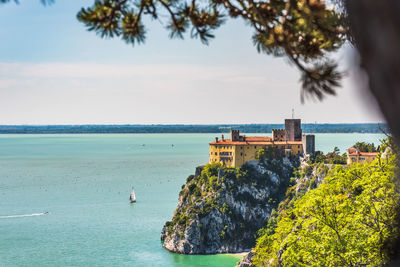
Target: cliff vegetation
[(348, 218), (220, 209)]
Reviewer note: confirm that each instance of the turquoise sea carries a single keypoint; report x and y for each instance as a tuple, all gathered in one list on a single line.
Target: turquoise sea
[(84, 182)]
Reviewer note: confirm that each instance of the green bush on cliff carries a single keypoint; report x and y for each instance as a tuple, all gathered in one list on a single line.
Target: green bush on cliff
[(204, 194), (261, 154), (333, 157), (350, 219)]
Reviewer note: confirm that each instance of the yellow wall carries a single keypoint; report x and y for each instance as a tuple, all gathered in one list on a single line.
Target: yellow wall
[(245, 153), (237, 155), (360, 158), (216, 156)]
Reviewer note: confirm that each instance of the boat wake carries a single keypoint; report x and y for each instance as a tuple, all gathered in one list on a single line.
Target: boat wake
[(24, 215)]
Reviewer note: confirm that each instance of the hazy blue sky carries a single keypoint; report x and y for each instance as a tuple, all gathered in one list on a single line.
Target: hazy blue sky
[(52, 71)]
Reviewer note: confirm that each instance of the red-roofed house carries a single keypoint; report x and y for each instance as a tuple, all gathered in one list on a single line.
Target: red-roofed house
[(355, 156)]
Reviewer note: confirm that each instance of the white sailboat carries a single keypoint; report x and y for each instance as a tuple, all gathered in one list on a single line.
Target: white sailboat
[(132, 198)]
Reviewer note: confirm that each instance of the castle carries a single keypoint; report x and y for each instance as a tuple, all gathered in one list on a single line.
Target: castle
[(240, 149)]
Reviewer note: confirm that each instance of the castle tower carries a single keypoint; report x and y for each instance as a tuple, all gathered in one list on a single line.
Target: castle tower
[(278, 134), (235, 135), (309, 144), (293, 130)]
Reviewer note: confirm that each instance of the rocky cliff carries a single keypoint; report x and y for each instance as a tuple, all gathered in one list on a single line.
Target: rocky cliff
[(220, 209), (308, 177)]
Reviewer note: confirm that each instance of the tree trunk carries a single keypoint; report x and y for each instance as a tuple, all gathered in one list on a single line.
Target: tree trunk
[(375, 26)]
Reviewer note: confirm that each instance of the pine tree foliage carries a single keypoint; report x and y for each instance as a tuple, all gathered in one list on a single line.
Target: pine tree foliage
[(305, 31)]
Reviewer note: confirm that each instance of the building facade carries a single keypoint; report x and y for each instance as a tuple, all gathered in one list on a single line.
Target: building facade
[(241, 149), (355, 156)]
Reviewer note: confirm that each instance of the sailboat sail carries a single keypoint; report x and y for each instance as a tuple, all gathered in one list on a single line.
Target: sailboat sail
[(132, 197)]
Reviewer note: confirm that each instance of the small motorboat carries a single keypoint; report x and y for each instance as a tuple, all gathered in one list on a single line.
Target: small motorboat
[(132, 198)]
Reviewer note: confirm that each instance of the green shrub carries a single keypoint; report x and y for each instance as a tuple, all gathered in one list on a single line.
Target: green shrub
[(351, 219), (261, 154), (191, 188), (190, 178)]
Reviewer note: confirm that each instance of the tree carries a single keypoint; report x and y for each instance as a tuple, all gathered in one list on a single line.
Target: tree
[(366, 147), (375, 29), (336, 150), (333, 157), (351, 219), (261, 154)]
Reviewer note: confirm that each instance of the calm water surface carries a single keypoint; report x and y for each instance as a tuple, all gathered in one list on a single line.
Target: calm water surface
[(84, 182)]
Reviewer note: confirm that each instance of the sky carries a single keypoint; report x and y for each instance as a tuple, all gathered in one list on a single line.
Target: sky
[(53, 71)]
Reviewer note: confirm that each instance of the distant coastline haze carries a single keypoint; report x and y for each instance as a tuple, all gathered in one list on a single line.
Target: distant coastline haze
[(189, 128)]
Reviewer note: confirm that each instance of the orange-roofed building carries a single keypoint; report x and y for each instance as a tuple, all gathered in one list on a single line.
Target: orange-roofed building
[(241, 149), (355, 156)]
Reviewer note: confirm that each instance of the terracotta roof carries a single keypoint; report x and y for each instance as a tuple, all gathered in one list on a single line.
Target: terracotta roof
[(364, 154), (228, 142), (258, 139), (255, 141), (288, 142), (354, 152)]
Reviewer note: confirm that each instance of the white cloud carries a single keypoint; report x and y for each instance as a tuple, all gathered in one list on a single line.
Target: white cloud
[(5, 83), (92, 70), (49, 93)]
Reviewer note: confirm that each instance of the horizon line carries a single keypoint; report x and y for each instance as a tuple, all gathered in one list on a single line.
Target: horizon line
[(187, 124)]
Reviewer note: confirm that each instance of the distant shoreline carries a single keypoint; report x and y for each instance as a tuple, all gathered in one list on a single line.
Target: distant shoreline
[(186, 128)]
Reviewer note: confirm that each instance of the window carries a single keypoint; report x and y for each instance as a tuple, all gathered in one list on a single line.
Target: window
[(255, 147), (298, 146), (241, 147), (241, 154), (215, 153)]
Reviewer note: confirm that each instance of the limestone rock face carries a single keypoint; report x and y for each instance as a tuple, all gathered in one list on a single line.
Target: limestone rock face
[(220, 209), (313, 176), (246, 261)]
